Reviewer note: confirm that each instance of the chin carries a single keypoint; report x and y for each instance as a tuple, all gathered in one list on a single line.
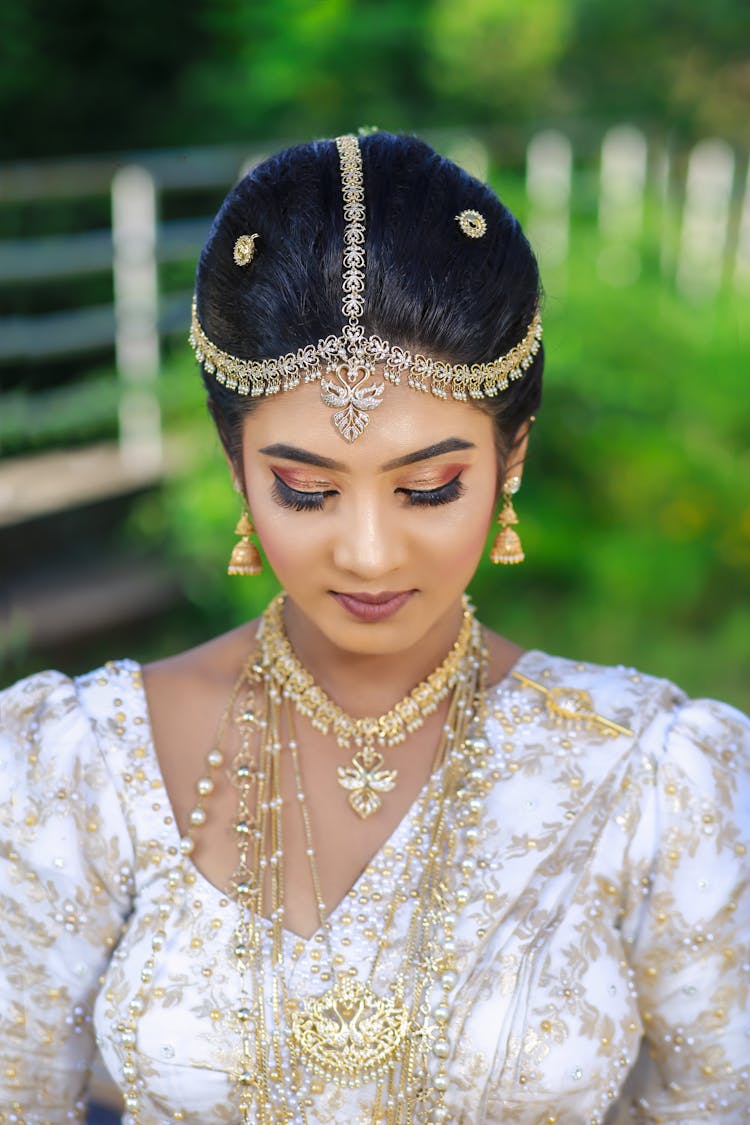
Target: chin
[(368, 640)]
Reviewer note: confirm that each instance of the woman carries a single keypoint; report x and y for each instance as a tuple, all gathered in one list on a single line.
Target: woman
[(364, 860)]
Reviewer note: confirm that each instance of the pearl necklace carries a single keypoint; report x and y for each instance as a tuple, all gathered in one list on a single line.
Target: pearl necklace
[(365, 779), (356, 1031)]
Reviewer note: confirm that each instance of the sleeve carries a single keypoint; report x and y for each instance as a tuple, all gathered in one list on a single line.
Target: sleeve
[(689, 936), (66, 863)]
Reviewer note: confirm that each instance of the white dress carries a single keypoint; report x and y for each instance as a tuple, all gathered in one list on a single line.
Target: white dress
[(609, 907)]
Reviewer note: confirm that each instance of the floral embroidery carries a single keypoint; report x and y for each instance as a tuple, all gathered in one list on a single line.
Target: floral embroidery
[(607, 905)]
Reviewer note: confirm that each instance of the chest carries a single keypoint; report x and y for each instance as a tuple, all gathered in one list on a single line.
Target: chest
[(543, 1008), (326, 844)]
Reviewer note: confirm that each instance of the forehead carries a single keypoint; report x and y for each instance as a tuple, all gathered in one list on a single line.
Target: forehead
[(405, 420)]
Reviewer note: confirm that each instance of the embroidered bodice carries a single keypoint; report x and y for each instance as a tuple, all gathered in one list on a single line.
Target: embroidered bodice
[(609, 908)]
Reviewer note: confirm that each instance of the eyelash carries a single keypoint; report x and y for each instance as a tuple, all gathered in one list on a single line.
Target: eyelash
[(297, 501), (432, 497)]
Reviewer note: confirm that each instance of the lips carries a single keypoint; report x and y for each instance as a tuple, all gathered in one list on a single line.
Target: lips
[(373, 607), (377, 599)]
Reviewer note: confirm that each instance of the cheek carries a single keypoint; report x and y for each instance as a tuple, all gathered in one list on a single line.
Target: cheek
[(289, 539), (463, 546), (458, 533)]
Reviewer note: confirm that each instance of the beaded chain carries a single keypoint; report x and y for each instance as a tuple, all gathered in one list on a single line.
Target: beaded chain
[(356, 1031)]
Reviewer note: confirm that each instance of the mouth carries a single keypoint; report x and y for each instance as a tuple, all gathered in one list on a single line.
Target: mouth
[(373, 607)]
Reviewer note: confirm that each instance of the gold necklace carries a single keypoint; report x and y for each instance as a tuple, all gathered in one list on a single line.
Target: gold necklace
[(354, 1031), (365, 778)]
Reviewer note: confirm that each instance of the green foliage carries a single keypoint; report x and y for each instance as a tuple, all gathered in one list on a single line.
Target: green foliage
[(683, 60), (635, 512), (91, 75), (290, 68), (83, 411), (496, 58), (95, 75)]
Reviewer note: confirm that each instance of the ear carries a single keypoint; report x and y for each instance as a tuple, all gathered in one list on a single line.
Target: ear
[(236, 483), (517, 454)]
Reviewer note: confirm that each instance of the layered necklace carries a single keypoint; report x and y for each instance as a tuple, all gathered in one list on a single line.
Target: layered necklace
[(364, 778), (361, 1029)]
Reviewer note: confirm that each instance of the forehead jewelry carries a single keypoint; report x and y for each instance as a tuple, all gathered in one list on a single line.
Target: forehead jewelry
[(345, 365)]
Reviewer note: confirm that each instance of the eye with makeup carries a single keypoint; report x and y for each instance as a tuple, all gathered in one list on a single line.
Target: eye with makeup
[(301, 500), (453, 489)]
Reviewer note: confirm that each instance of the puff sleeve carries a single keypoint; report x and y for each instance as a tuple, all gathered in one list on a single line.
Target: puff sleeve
[(66, 863), (688, 938)]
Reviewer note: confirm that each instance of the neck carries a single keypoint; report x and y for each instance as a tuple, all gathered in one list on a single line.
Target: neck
[(366, 684)]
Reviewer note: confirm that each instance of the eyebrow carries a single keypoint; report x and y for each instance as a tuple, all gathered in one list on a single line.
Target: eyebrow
[(305, 457)]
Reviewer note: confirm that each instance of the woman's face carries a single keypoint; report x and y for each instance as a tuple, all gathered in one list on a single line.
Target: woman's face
[(374, 541)]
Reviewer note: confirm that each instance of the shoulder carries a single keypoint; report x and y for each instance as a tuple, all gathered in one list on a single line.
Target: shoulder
[(21, 703), (592, 707), (50, 723), (214, 663), (186, 693)]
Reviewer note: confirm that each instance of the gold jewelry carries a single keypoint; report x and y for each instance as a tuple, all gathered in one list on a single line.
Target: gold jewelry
[(355, 1030), (365, 778), (349, 360), (472, 223), (244, 249), (572, 705), (245, 559), (507, 547)]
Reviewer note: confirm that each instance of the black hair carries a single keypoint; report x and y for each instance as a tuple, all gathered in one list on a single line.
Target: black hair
[(428, 287)]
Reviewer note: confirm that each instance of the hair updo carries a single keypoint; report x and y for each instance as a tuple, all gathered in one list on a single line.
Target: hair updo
[(428, 287)]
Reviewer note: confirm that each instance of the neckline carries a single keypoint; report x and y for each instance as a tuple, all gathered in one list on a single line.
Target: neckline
[(146, 738)]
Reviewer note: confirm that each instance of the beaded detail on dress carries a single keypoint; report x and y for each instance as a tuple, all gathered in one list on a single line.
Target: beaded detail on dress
[(607, 903)]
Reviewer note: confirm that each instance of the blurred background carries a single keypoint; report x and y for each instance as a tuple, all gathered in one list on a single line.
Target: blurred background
[(618, 134)]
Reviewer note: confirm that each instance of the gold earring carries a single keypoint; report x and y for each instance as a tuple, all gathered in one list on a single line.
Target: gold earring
[(245, 558), (507, 547)]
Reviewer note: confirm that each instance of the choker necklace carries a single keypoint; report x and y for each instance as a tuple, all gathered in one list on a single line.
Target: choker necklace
[(382, 1024), (365, 778)]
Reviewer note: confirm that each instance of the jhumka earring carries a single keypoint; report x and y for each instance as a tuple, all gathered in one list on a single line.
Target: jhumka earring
[(507, 546), (245, 558)]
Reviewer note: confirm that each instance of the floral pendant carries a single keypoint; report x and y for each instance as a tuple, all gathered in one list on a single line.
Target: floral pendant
[(366, 780)]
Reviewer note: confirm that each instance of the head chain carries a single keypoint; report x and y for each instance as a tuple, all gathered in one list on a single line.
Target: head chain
[(349, 360)]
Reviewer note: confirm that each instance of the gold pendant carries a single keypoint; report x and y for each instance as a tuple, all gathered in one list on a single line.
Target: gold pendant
[(366, 780), (349, 1034)]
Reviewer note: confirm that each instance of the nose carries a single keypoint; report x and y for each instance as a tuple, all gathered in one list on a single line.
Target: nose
[(369, 542)]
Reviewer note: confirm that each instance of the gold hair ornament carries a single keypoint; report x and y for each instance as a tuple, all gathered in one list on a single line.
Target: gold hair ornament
[(472, 223), (244, 249), (345, 364)]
